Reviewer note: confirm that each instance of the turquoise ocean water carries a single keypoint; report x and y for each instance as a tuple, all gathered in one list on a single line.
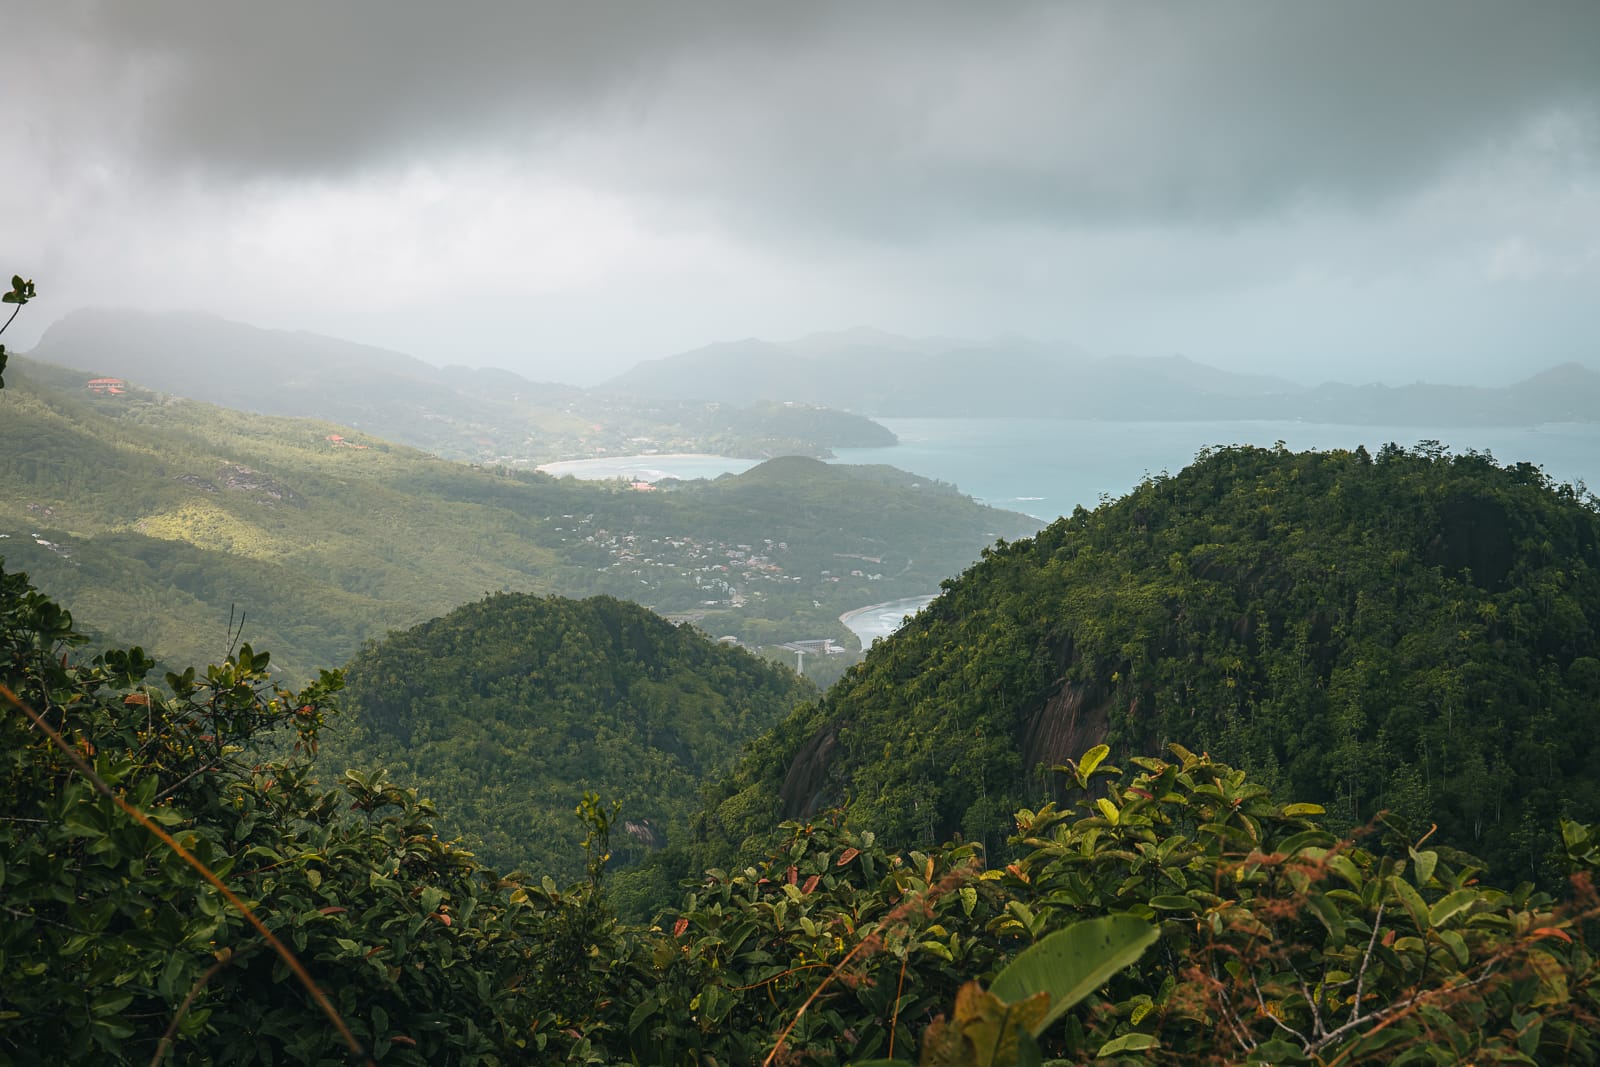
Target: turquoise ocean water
[(1046, 467)]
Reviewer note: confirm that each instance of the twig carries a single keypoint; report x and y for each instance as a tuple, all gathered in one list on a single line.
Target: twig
[(1388, 1015), (1241, 1033), (1305, 1043), (175, 786), (1361, 976), (34, 917), (899, 990), (166, 1042)]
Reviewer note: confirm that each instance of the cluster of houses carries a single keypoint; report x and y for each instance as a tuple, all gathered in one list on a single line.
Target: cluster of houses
[(719, 570)]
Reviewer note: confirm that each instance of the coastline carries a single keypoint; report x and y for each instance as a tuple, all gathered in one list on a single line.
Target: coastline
[(639, 465), (886, 605), (885, 619)]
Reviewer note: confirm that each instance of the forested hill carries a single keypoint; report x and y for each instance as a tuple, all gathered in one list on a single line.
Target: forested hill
[(159, 519), (507, 710), (1412, 631)]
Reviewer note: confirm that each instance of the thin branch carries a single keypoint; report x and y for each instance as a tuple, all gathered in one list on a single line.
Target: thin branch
[(33, 917), (1316, 1012), (1389, 1014), (1361, 976), (166, 1042), (1241, 1033), (894, 1019), (175, 786), (1305, 1042)]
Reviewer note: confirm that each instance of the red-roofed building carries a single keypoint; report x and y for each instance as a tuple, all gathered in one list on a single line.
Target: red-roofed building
[(107, 386)]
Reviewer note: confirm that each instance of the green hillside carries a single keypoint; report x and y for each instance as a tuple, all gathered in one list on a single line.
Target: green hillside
[(1173, 911), (1412, 632), (161, 519), (507, 710)]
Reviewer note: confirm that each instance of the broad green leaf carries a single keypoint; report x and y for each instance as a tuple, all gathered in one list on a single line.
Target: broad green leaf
[(1127, 1043), (1411, 900), (1346, 869), (1306, 839), (1091, 759), (1449, 907), (1296, 811), (1173, 903), (1456, 944), (1329, 915), (1072, 963), (1423, 864)]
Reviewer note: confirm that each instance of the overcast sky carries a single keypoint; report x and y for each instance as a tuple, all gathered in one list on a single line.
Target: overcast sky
[(1355, 191)]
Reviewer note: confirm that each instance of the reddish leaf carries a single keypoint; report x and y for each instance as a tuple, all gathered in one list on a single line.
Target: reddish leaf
[(847, 855)]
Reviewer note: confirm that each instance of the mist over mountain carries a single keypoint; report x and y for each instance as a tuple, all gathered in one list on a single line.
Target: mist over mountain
[(883, 374), (456, 412), (880, 374)]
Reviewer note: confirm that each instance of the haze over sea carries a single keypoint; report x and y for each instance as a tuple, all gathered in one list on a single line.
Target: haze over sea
[(1047, 467)]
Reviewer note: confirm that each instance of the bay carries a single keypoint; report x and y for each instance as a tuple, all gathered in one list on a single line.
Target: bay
[(881, 620), (1047, 467), (685, 466)]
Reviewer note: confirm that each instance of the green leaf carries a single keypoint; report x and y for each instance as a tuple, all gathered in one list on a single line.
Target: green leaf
[(1173, 903), (1091, 759), (431, 897), (1127, 1043), (111, 1002), (1329, 915), (1451, 906), (1297, 811), (1072, 963), (1411, 900), (1456, 944), (1306, 839), (1423, 864)]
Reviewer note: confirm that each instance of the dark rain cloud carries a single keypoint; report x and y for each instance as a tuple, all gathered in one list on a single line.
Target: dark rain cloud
[(893, 120)]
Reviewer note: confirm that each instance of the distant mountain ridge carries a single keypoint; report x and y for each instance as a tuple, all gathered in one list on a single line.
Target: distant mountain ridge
[(883, 375), (749, 397), (483, 414)]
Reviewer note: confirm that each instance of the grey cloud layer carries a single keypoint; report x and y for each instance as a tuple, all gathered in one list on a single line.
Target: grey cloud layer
[(892, 120), (1405, 188)]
